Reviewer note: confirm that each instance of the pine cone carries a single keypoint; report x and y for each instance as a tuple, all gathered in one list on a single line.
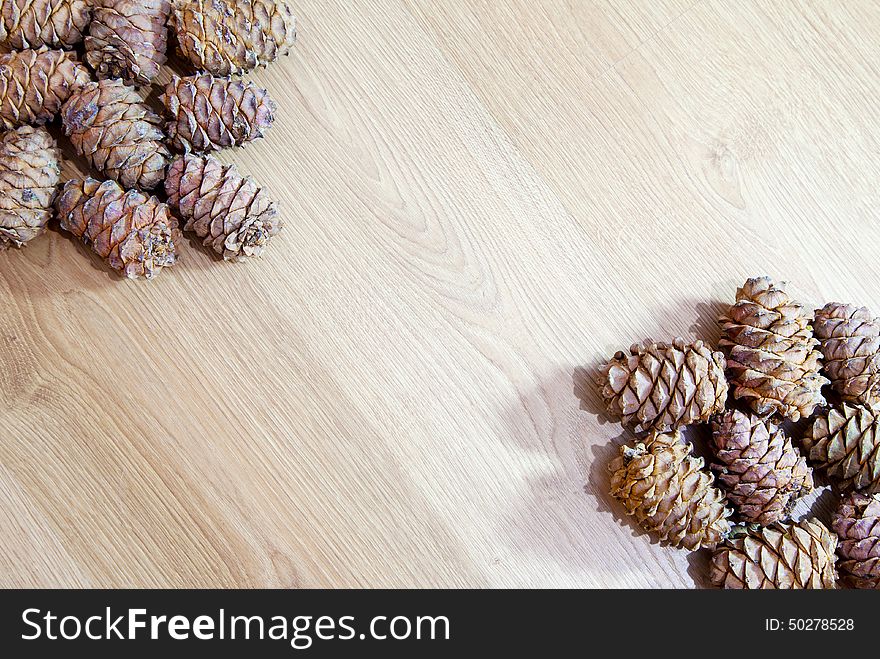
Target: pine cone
[(780, 556), (772, 363), (128, 39), (232, 214), (669, 492), (857, 522), (226, 37), (29, 175), (34, 84), (757, 466), (845, 443), (664, 387), (35, 23), (215, 113), (134, 233), (850, 339), (109, 124)]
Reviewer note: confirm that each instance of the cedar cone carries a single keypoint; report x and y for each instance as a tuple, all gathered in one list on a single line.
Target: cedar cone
[(226, 37), (34, 84), (850, 340), (35, 23), (135, 234), (664, 387), (670, 493), (214, 113), (757, 466), (771, 359), (29, 175), (109, 124), (233, 215), (779, 556), (844, 442), (857, 522), (128, 39)]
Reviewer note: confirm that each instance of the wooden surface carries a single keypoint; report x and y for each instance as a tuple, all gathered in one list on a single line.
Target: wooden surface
[(484, 200)]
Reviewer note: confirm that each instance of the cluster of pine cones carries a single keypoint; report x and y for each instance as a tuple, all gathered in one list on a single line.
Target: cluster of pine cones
[(777, 358), (124, 44)]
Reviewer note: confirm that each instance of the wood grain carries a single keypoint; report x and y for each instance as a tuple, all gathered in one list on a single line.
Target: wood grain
[(484, 200)]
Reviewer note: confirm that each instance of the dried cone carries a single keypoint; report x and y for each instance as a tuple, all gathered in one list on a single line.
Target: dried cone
[(134, 233), (34, 85), (761, 472), (128, 39), (109, 124), (663, 387), (35, 23), (780, 556), (844, 442), (670, 493), (226, 37), (850, 340), (232, 214), (29, 175), (214, 113), (857, 522), (771, 362)]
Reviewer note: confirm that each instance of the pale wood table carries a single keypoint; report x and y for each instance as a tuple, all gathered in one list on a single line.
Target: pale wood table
[(484, 200)]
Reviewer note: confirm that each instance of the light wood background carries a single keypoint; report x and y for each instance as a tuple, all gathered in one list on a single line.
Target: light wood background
[(484, 200)]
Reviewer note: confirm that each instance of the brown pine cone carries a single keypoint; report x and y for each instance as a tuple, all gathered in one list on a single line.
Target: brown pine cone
[(664, 387), (109, 124), (772, 362), (757, 466), (226, 37), (134, 233), (776, 557), (233, 215), (128, 39), (844, 442), (857, 523), (850, 340), (28, 24), (214, 113), (670, 493), (29, 175), (34, 84)]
